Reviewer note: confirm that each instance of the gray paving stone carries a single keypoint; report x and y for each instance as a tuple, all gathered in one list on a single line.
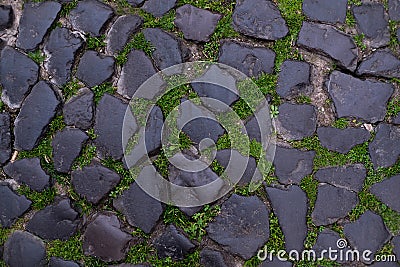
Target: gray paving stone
[(350, 177), (396, 119), (275, 263), (325, 10), (154, 127), (294, 78), (385, 264), (388, 191), (95, 68), (398, 34), (396, 246), (5, 137), (212, 258), (78, 110), (342, 140), (385, 148), (173, 244), (6, 16), (381, 63), (329, 239), (57, 262), (158, 7), (135, 3), (394, 9), (12, 205), (120, 32)]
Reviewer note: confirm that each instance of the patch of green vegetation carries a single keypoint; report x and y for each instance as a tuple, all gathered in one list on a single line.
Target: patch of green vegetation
[(242, 109), (220, 6), (70, 249), (161, 163), (96, 43), (102, 89), (121, 7), (71, 88), (138, 42), (67, 7), (267, 84), (341, 123), (39, 199), (166, 22), (359, 40), (394, 43), (172, 98), (274, 111), (127, 176), (350, 19), (310, 186), (355, 2), (393, 107), (303, 99), (38, 56), (85, 158), (276, 239)]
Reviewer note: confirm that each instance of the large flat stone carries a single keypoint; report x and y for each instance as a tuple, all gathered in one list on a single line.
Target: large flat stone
[(95, 68), (173, 244), (78, 110), (380, 63), (158, 7), (120, 32), (6, 16), (388, 191), (12, 205), (212, 258), (342, 140), (350, 177), (385, 148), (325, 10), (329, 239), (5, 137), (294, 78)]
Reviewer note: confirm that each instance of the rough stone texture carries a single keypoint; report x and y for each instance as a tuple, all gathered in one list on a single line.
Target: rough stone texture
[(104, 238), (384, 264), (398, 34), (329, 41), (12, 205), (135, 3), (124, 27), (37, 111), (154, 127), (5, 137), (325, 10), (292, 165), (353, 97), (385, 148), (381, 63), (173, 244), (388, 191), (78, 111), (6, 16), (94, 68), (28, 171), (260, 19), (332, 204), (17, 74), (242, 226), (94, 182), (57, 262), (328, 239), (212, 258), (396, 245), (350, 177), (140, 209), (294, 78), (342, 140), (31, 29), (23, 249), (61, 49), (201, 128), (276, 263), (295, 122), (394, 9), (67, 146), (396, 119), (196, 24), (56, 221), (290, 206), (90, 16), (251, 60), (158, 7)]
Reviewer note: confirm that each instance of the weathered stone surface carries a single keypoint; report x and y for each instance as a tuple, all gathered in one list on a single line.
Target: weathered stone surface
[(385, 148), (290, 206), (325, 10), (384, 264), (353, 97), (11, 205), (94, 182), (90, 16), (158, 7), (56, 221), (78, 111), (57, 262), (67, 146), (37, 111), (61, 49), (388, 191), (329, 41), (6, 16), (396, 245), (342, 140), (104, 238), (23, 249), (121, 30), (394, 9), (294, 78), (276, 263), (328, 239), (31, 29), (260, 19), (196, 24), (350, 177), (94, 68), (140, 209), (296, 121), (17, 74), (381, 63), (173, 244), (251, 60), (212, 258), (242, 226), (154, 127), (135, 3), (5, 137), (28, 171), (396, 119), (332, 204), (292, 165), (398, 34)]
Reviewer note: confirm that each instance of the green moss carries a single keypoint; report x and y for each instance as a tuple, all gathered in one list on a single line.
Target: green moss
[(359, 40), (276, 239), (127, 177), (172, 98), (138, 42), (394, 43), (95, 43), (350, 19), (70, 249), (102, 89), (393, 107), (67, 7), (267, 85), (85, 158), (310, 186), (39, 199), (303, 99), (166, 22), (161, 163), (37, 56), (341, 123), (71, 88)]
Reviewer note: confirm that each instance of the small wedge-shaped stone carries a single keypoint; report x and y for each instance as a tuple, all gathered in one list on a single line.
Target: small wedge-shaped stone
[(381, 63), (388, 191), (158, 7), (5, 137), (325, 10), (121, 30), (78, 111), (294, 78), (385, 148), (95, 68), (342, 140), (173, 244), (350, 177), (12, 205)]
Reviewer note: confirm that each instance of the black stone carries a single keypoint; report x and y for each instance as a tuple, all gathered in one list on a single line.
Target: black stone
[(57, 262), (37, 111), (67, 146), (5, 138), (94, 68), (196, 24), (201, 128), (17, 74), (104, 238), (135, 3), (332, 204), (212, 258), (294, 78), (342, 140), (260, 19), (251, 60), (23, 249), (290, 206), (329, 41), (385, 148), (350, 177), (154, 125), (12, 205), (6, 16), (158, 7), (381, 63), (35, 21), (353, 97), (325, 10), (328, 239), (78, 111), (295, 122), (56, 221), (120, 32), (90, 16), (292, 165), (394, 9), (388, 191), (173, 244), (385, 264), (242, 226), (275, 263), (396, 246), (398, 34), (396, 119), (28, 171), (94, 182)]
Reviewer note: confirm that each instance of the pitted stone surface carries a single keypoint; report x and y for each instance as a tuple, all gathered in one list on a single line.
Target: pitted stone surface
[(158, 7), (173, 244), (388, 191), (121, 30), (394, 9), (260, 19), (350, 177), (6, 16), (381, 63), (325, 10), (5, 137), (396, 245), (342, 140), (212, 258), (12, 205), (328, 239), (276, 263), (396, 119), (28, 171), (385, 148), (135, 3), (31, 29), (242, 226), (17, 74), (294, 78), (57, 262), (78, 111), (94, 68), (365, 100)]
